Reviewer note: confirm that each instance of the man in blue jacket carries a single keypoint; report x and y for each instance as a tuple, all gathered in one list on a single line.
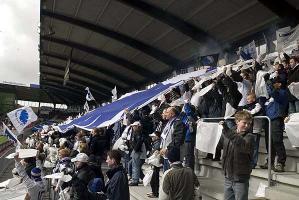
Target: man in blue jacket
[(276, 108)]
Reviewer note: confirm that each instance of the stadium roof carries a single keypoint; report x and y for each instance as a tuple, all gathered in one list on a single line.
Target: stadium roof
[(41, 95), (131, 43)]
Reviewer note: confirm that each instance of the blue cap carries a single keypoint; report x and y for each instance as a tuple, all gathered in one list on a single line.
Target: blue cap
[(96, 185)]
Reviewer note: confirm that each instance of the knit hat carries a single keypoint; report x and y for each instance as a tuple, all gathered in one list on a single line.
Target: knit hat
[(173, 154), (96, 185), (36, 172)]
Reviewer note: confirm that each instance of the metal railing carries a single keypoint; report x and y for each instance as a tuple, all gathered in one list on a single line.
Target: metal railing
[(269, 141)]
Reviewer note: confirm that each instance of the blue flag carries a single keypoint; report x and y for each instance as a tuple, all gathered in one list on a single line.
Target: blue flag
[(7, 132)]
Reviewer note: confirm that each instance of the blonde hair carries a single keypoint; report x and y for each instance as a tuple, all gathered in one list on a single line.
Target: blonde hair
[(243, 115), (251, 94), (83, 148)]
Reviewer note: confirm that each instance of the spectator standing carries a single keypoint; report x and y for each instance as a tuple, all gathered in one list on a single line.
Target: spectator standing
[(98, 144), (255, 109), (138, 148), (173, 134), (117, 186), (156, 141), (34, 184), (237, 157), (293, 78), (178, 183), (82, 176), (276, 108), (64, 165)]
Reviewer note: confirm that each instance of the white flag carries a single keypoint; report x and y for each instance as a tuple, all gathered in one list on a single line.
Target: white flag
[(86, 107), (89, 96), (22, 117), (287, 39), (7, 132), (114, 92)]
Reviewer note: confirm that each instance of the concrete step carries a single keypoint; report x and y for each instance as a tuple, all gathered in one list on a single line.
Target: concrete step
[(288, 146), (212, 189), (212, 180), (280, 192), (213, 170), (290, 165), (139, 192)]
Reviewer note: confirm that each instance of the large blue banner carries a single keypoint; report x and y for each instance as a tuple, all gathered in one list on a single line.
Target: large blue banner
[(111, 113)]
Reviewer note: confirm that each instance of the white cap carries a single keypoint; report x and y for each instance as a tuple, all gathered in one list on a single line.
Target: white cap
[(137, 123), (81, 157)]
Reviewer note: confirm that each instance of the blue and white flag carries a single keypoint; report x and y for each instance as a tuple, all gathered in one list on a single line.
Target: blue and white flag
[(89, 96), (86, 107), (248, 51), (7, 132), (209, 60), (22, 117)]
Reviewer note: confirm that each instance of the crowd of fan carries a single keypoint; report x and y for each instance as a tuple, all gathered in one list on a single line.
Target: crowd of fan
[(167, 129)]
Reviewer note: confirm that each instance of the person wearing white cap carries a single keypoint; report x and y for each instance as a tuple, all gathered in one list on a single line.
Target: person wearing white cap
[(137, 143), (34, 184), (82, 176)]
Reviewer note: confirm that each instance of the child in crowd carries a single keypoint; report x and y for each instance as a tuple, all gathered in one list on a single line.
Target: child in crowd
[(238, 148), (156, 140), (255, 109)]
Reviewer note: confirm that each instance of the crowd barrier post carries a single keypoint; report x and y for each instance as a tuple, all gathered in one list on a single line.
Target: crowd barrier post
[(269, 141)]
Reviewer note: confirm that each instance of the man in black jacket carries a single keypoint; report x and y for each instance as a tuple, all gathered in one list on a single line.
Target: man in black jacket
[(117, 186), (98, 144), (237, 157), (137, 147), (82, 176), (293, 78)]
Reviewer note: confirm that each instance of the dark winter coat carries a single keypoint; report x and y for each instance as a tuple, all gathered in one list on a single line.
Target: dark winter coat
[(98, 145), (117, 187), (80, 181), (237, 154)]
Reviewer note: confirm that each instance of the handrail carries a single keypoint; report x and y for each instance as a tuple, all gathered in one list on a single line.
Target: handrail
[(269, 140)]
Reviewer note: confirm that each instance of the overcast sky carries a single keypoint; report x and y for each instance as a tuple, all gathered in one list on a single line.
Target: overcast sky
[(19, 39)]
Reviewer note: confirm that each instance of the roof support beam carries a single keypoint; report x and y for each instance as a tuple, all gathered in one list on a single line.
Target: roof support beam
[(76, 82), (79, 82), (66, 89), (52, 96), (282, 9), (169, 19), (141, 46), (83, 74), (69, 100), (112, 58), (94, 67)]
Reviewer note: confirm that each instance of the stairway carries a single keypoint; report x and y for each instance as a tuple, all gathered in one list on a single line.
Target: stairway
[(286, 185)]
